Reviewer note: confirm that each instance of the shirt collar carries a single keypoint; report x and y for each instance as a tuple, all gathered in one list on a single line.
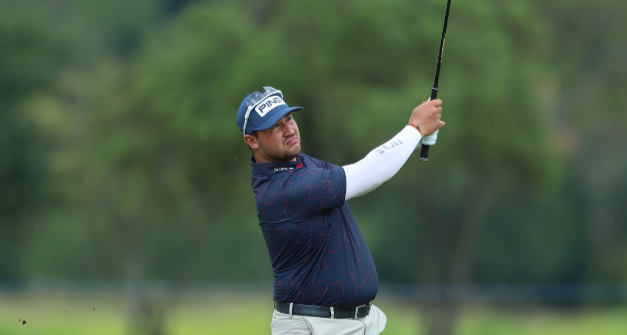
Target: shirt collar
[(272, 168)]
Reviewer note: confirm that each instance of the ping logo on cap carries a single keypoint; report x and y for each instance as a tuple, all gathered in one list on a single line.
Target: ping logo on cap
[(268, 104)]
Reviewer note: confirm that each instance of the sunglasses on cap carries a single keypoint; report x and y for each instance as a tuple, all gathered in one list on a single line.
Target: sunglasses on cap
[(255, 98)]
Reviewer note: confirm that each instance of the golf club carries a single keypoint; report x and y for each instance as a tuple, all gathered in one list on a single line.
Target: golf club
[(424, 152)]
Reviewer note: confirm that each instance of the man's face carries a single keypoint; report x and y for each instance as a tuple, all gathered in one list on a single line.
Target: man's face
[(279, 143)]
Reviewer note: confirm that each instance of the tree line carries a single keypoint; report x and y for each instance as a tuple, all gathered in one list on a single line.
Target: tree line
[(121, 157)]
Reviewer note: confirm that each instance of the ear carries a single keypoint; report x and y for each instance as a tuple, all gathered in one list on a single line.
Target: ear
[(252, 142)]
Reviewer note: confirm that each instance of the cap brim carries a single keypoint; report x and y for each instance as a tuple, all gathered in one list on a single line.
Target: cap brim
[(276, 117)]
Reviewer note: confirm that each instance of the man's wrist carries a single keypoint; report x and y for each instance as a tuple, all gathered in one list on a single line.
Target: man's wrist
[(417, 128)]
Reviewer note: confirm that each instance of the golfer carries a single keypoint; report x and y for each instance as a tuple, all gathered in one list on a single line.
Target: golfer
[(324, 276)]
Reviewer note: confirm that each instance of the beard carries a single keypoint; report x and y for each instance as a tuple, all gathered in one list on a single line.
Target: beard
[(281, 155)]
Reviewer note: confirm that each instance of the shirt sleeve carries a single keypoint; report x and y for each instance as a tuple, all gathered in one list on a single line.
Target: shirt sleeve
[(312, 189), (381, 164)]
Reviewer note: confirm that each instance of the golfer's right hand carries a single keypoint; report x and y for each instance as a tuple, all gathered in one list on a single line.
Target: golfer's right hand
[(427, 116)]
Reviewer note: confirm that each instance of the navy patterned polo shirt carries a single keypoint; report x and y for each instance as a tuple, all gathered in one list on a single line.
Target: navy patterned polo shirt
[(318, 254)]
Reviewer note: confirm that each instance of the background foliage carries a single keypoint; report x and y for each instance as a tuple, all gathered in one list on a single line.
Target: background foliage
[(120, 156)]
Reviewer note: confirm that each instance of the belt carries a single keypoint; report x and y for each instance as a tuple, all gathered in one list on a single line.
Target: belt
[(323, 312)]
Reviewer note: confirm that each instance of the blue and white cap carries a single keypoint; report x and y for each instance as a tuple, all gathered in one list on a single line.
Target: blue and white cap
[(261, 110)]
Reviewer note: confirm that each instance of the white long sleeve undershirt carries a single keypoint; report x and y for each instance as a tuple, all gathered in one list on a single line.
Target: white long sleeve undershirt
[(380, 164)]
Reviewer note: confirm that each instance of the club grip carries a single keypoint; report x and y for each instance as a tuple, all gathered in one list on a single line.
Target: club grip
[(434, 93), (424, 152)]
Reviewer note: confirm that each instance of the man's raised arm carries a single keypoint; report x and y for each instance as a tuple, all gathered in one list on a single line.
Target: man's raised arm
[(385, 161)]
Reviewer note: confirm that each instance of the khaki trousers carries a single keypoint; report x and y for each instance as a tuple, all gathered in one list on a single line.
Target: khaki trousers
[(284, 324)]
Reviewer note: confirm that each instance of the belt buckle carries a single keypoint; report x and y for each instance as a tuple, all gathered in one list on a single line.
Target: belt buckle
[(357, 310)]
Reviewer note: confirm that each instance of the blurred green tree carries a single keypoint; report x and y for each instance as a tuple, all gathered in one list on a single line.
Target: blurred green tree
[(588, 56), (29, 61)]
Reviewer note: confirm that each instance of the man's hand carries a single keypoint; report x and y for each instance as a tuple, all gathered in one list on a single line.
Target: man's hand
[(427, 116)]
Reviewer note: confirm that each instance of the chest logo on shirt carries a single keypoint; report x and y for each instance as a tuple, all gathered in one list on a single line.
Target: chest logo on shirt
[(268, 104), (298, 166)]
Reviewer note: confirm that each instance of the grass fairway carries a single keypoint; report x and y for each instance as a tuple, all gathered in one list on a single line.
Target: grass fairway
[(58, 314)]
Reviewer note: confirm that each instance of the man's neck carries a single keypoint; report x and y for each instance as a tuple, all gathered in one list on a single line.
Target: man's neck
[(259, 158)]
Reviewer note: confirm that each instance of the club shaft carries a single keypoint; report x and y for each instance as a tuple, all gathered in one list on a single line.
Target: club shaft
[(439, 63)]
